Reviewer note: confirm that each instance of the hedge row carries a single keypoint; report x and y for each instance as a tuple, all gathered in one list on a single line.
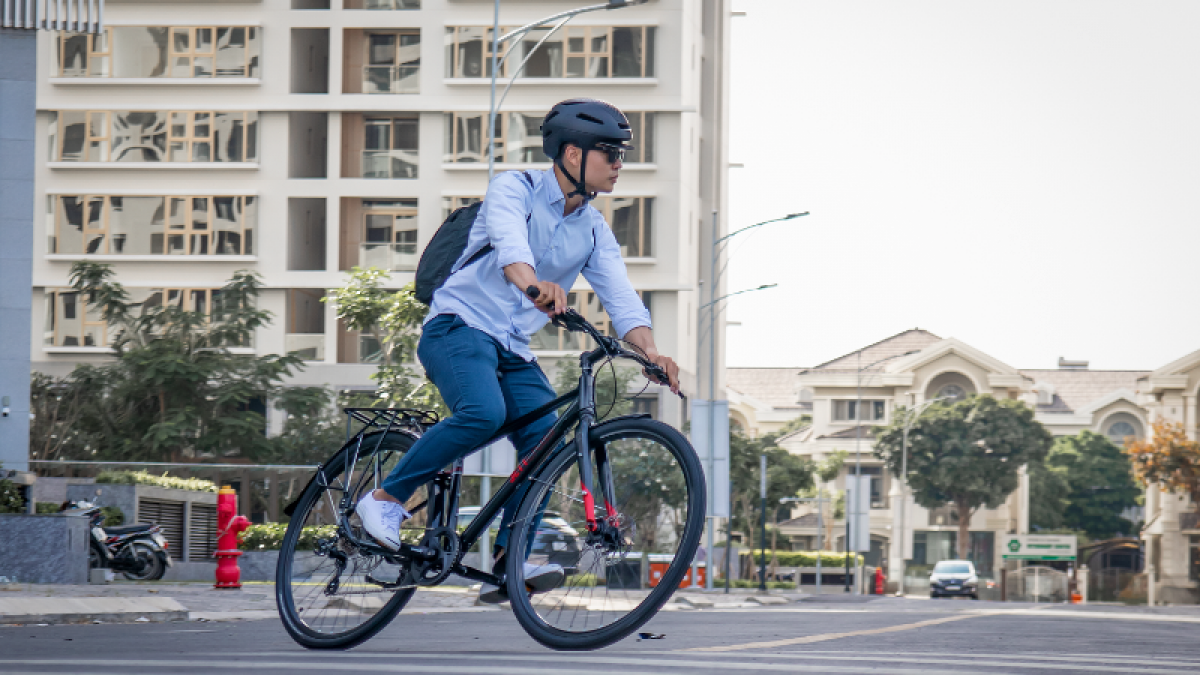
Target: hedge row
[(807, 558), (269, 536), (163, 481)]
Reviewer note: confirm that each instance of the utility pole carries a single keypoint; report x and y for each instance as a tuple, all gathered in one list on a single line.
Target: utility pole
[(762, 490)]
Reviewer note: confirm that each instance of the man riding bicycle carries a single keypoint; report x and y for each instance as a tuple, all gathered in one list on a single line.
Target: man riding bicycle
[(474, 345)]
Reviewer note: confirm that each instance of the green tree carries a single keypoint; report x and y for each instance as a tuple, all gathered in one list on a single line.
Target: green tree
[(393, 319), (175, 389), (1047, 497), (787, 476), (1099, 481), (967, 453)]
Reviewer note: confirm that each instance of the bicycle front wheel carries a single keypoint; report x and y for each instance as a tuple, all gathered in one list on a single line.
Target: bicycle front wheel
[(610, 587)]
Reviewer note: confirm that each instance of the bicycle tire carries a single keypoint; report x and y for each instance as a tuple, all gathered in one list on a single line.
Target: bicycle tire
[(531, 617), (296, 625)]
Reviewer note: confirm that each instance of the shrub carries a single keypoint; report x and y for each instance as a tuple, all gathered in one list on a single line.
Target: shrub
[(10, 498), (806, 558), (163, 481), (113, 516), (44, 508), (269, 536)]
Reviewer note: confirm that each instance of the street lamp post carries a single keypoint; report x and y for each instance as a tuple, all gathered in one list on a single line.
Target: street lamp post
[(713, 284), (762, 545), (852, 505), (562, 18)]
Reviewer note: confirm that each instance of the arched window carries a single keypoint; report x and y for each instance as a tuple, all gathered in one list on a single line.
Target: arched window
[(1119, 431), (952, 393)]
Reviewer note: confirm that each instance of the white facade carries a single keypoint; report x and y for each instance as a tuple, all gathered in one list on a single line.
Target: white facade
[(917, 366), (291, 196)]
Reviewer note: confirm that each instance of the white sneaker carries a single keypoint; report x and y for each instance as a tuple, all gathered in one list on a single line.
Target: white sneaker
[(382, 519), (538, 579)]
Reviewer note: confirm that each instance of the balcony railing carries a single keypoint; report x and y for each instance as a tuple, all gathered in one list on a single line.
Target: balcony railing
[(309, 346), (391, 79), (390, 257), (389, 163)]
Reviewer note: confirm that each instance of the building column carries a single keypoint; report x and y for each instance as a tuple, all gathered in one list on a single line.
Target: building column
[(899, 536), (18, 128)]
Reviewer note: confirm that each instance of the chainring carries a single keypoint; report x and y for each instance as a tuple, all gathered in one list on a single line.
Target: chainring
[(434, 571)]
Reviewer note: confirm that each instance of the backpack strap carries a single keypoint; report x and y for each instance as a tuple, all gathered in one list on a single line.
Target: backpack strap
[(488, 248)]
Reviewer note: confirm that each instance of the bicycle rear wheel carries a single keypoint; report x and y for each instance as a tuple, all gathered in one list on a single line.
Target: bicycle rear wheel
[(330, 593), (611, 588)]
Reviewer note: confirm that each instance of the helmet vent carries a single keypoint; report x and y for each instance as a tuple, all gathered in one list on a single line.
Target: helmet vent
[(589, 118)]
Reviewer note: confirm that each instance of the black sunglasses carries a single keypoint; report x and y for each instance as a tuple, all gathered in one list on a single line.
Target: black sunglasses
[(612, 153)]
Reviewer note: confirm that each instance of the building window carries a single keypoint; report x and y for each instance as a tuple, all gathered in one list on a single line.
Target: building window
[(576, 52), (632, 223), (70, 323), (390, 147), (452, 204), (153, 136), (389, 239), (392, 63), (383, 4), (552, 338), (849, 410), (943, 516), (519, 138), (1194, 557), (952, 393), (165, 51), (1120, 429), (878, 496), (930, 548), (171, 225)]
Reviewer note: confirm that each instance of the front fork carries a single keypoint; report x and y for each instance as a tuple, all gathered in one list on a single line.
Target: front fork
[(587, 418)]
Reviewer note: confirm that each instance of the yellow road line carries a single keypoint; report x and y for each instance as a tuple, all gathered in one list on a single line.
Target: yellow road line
[(836, 636)]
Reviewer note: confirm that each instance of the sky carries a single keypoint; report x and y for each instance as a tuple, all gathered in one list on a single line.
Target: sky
[(1019, 175)]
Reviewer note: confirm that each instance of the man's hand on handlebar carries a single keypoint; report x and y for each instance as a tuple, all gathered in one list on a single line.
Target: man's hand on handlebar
[(669, 367), (550, 298)]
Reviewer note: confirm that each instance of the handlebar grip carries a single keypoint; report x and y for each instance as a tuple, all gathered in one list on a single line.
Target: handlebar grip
[(532, 292)]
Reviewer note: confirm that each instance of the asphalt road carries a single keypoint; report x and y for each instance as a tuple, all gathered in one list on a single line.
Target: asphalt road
[(882, 636)]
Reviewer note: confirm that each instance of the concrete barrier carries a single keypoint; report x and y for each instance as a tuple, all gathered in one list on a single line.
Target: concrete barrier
[(50, 549)]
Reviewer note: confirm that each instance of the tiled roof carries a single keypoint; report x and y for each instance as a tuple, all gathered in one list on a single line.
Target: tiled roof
[(777, 387), (806, 520), (868, 432), (901, 343), (1077, 389)]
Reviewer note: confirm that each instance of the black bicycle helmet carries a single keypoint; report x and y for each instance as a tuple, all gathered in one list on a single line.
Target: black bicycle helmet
[(583, 122)]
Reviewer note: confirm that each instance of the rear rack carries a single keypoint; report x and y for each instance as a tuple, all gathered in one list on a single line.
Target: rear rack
[(388, 419)]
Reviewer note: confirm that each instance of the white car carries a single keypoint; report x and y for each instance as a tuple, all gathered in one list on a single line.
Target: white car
[(954, 577)]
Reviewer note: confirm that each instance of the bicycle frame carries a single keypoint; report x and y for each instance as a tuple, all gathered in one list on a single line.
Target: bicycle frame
[(444, 494)]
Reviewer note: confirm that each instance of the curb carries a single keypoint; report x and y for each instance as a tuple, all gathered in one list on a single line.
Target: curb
[(88, 610)]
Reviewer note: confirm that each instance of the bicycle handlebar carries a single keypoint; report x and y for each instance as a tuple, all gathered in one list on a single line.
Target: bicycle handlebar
[(573, 321)]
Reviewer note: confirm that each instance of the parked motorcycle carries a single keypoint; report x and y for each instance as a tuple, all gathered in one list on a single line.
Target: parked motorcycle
[(138, 551)]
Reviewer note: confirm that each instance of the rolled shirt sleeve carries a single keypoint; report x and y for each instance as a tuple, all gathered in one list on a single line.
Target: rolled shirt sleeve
[(505, 214), (605, 271)]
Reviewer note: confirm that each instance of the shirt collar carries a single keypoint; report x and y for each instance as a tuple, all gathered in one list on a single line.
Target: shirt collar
[(552, 187)]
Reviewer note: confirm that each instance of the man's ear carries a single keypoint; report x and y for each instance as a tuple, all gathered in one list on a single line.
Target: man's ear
[(571, 155)]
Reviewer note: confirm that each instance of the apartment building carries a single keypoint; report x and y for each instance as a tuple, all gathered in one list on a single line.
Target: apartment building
[(300, 138), (915, 366)]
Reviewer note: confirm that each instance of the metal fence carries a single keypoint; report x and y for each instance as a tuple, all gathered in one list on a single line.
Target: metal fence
[(1037, 584), (81, 16)]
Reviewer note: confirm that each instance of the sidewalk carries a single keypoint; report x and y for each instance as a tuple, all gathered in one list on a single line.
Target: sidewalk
[(176, 601)]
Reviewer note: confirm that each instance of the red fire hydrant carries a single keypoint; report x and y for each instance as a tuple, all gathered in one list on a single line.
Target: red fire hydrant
[(879, 581), (229, 526)]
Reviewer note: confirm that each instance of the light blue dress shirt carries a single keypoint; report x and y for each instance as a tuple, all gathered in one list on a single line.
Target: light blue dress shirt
[(557, 247)]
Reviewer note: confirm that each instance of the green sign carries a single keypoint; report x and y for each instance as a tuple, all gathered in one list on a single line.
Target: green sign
[(1040, 547)]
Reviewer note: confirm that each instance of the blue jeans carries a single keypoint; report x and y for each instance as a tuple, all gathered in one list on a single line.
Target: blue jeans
[(485, 386)]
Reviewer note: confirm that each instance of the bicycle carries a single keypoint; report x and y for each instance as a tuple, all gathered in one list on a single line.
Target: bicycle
[(336, 587)]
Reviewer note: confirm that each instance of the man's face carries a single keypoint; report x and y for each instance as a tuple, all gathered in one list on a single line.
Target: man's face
[(601, 175)]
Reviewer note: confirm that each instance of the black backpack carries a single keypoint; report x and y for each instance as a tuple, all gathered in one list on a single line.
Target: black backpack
[(447, 246)]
